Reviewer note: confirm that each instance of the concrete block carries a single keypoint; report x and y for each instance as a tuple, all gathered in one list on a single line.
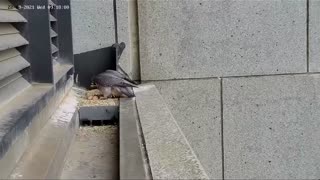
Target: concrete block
[(92, 24), (128, 33), (123, 33), (23, 119), (314, 35), (45, 158), (205, 38), (132, 162), (170, 155), (271, 127), (195, 105)]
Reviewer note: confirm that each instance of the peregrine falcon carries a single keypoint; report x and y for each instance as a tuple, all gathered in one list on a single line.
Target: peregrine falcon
[(114, 83), (121, 75)]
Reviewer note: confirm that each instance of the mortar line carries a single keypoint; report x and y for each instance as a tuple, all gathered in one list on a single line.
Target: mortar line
[(244, 76), (307, 23), (138, 38), (222, 141), (115, 20)]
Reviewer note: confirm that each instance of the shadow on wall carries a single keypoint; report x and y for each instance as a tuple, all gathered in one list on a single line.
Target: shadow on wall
[(91, 63)]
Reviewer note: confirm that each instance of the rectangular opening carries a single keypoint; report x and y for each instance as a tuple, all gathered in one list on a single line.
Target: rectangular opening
[(98, 115)]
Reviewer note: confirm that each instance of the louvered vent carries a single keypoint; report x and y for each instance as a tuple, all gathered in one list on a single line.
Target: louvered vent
[(11, 61), (53, 34)]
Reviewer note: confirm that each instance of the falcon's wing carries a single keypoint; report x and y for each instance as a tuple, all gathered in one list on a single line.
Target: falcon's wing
[(115, 73), (121, 75), (107, 79), (127, 91), (125, 83)]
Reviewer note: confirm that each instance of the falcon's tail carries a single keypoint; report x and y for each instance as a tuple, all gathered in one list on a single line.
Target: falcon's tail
[(126, 75), (128, 91), (128, 83)]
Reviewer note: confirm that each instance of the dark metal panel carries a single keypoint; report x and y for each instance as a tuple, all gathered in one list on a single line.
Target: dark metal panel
[(40, 42), (91, 63), (64, 31), (54, 27)]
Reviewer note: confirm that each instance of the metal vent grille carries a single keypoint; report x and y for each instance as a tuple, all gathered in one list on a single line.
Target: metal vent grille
[(53, 34), (11, 61)]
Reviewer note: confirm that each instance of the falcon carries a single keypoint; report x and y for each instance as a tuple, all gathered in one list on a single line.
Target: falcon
[(114, 83)]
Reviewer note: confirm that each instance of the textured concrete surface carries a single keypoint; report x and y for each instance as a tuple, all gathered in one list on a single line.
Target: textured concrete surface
[(93, 154), (45, 156), (123, 33), (195, 105), (16, 142), (92, 24), (128, 33), (25, 125), (271, 127), (205, 38), (170, 154), (314, 35), (132, 162), (9, 91)]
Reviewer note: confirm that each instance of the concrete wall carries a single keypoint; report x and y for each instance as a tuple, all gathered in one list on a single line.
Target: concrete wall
[(94, 28), (92, 24), (127, 26), (260, 118), (314, 35), (204, 38)]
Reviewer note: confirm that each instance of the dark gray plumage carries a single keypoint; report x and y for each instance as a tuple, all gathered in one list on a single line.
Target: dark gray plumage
[(110, 84), (116, 83), (120, 75), (110, 78)]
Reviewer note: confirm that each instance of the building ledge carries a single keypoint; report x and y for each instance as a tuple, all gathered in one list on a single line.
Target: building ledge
[(61, 70), (16, 115)]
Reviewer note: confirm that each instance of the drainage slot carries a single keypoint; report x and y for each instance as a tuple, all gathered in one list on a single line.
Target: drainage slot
[(85, 123), (96, 123), (98, 115)]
